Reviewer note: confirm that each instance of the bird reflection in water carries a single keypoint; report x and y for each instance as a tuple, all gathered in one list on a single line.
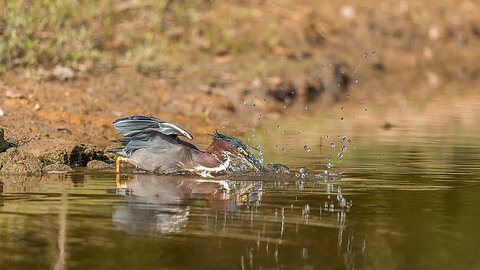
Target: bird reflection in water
[(159, 204)]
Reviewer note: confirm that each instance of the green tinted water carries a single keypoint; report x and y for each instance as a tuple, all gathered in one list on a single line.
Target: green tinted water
[(414, 193)]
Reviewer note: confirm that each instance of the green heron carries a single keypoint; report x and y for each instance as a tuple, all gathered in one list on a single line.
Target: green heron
[(154, 145)]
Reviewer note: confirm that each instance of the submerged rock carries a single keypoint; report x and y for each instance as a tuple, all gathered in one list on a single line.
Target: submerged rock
[(278, 168), (57, 168)]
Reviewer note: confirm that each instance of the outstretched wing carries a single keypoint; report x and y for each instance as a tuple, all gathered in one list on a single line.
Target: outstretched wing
[(134, 125), (148, 132)]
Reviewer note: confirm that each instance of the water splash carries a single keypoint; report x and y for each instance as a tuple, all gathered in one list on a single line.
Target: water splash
[(301, 173)]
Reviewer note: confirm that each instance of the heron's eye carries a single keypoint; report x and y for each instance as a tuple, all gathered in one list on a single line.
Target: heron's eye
[(242, 151)]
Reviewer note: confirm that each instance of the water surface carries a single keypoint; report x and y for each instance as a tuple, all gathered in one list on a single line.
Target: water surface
[(408, 198)]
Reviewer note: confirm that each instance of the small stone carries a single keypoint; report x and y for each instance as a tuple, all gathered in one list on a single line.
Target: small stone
[(97, 165), (63, 73), (347, 12), (57, 168), (13, 94), (434, 32), (64, 131)]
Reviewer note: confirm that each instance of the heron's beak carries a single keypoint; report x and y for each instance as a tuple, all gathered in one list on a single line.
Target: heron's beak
[(250, 158), (256, 162)]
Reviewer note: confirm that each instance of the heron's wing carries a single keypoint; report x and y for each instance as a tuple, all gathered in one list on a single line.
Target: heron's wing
[(135, 125), (159, 137)]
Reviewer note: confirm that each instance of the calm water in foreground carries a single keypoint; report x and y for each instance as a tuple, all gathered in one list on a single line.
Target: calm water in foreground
[(408, 198)]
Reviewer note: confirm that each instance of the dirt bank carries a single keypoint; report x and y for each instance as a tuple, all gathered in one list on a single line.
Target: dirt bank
[(322, 55)]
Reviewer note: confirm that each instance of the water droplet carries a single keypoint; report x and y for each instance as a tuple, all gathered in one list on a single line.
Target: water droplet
[(244, 103), (341, 118), (355, 81), (304, 253), (332, 145), (354, 70), (332, 207), (374, 52), (330, 165), (340, 155), (344, 138), (342, 108), (366, 109), (365, 55), (343, 202), (306, 148), (301, 170), (278, 126)]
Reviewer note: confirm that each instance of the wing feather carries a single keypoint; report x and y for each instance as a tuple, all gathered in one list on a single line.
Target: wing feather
[(134, 125)]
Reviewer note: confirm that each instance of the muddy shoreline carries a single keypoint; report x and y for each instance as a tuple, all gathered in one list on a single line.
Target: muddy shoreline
[(62, 151), (327, 57)]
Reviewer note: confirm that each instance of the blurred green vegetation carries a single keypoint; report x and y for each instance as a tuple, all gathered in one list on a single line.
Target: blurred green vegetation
[(144, 34), (47, 32)]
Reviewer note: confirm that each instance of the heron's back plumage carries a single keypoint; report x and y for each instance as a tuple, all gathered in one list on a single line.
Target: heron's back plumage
[(153, 144)]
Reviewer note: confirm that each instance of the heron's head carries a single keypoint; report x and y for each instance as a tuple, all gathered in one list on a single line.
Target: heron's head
[(235, 147)]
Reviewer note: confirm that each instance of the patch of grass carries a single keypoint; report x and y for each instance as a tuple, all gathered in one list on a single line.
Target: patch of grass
[(46, 32), (145, 34)]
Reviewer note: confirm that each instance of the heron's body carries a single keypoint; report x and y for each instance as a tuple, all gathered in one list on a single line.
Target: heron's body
[(154, 145)]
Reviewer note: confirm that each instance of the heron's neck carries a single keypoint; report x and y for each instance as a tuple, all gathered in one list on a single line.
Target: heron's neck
[(205, 159), (218, 148)]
